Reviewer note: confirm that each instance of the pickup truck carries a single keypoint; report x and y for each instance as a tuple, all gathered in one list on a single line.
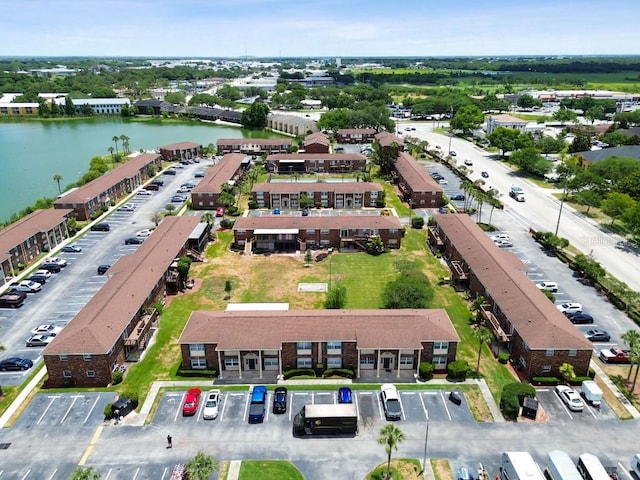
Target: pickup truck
[(258, 403), (614, 355), (12, 299)]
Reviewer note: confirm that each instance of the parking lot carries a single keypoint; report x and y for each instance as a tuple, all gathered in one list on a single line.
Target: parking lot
[(416, 405)]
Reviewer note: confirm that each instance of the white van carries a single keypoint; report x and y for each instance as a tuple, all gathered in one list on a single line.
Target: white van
[(635, 464)]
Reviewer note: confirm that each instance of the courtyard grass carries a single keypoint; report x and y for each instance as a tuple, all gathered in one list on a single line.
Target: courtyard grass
[(269, 470)]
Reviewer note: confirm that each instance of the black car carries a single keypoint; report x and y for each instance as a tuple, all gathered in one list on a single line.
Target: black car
[(36, 277), (579, 317), (169, 171), (134, 241), (158, 182), (51, 267), (100, 227), (459, 196), (280, 400), (15, 363), (102, 269), (485, 174)]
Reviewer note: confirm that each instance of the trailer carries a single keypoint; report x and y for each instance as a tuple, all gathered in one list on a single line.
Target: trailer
[(561, 467), (520, 466)]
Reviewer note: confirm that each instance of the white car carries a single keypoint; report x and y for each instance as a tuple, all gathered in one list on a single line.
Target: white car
[(503, 243), (211, 402), (390, 401), (570, 397), (550, 286), (144, 233), (45, 273), (27, 286), (443, 181), (129, 207), (500, 236), (569, 307), (468, 162), (144, 193), (60, 261), (49, 329)]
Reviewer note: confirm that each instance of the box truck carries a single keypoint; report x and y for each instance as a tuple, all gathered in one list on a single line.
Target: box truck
[(591, 393), (329, 419)]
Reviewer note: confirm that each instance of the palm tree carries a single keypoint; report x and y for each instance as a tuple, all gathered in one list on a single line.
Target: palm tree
[(208, 217), (483, 335), (111, 150), (57, 178), (493, 195), (390, 437), (476, 307), (87, 473), (125, 143), (631, 338), (116, 139), (156, 218), (634, 358), (201, 466)]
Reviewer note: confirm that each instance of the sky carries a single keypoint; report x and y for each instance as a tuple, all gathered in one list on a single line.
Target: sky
[(318, 28)]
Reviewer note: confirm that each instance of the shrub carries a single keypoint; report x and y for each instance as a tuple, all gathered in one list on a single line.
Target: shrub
[(252, 204), (319, 369), (108, 411), (545, 380), (339, 372), (380, 203), (503, 358), (227, 223), (512, 397), (578, 380), (457, 370), (299, 372), (116, 377), (426, 371), (133, 395), (197, 372), (417, 222)]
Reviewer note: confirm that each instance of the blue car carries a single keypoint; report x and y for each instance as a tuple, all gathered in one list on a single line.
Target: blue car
[(15, 363), (344, 395)]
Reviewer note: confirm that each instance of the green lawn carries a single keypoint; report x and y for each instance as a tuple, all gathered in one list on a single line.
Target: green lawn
[(269, 470)]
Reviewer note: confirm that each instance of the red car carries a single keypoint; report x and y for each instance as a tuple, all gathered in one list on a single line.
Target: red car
[(191, 401), (220, 212)]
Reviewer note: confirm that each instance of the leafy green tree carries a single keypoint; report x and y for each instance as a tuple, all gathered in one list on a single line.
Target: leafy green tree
[(201, 466), (616, 204), (567, 371), (184, 265), (548, 145), (336, 297), (385, 158), (482, 335), (589, 268), (408, 290), (255, 116), (594, 113), (529, 160), (229, 92), (69, 107), (87, 110), (467, 118), (581, 143), (504, 139), (375, 246), (565, 115), (391, 437), (227, 288), (615, 169), (85, 473), (588, 198), (527, 101)]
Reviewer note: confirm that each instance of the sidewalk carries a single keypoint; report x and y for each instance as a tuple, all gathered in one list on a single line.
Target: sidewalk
[(607, 381)]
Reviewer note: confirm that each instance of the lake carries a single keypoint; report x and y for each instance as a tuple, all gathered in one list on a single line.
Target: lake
[(32, 152)]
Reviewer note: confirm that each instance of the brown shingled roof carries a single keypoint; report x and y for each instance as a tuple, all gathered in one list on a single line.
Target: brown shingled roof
[(369, 328), (181, 146), (34, 223), (415, 175), (317, 137), (537, 320), (104, 182), (97, 327), (220, 173), (323, 222), (386, 139)]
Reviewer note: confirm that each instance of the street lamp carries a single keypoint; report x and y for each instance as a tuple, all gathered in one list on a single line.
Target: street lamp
[(450, 138), (330, 250), (564, 195), (426, 438)]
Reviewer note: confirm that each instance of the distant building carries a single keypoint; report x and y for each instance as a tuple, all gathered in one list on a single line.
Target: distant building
[(316, 143), (506, 121), (24, 241), (355, 135), (593, 156), (106, 189), (180, 151), (100, 106), (322, 194), (10, 109), (291, 124), (316, 162), (253, 146), (387, 141)]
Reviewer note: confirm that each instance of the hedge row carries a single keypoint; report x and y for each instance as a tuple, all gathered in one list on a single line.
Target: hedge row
[(512, 396)]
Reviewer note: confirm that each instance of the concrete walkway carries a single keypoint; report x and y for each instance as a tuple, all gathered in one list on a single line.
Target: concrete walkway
[(234, 470)]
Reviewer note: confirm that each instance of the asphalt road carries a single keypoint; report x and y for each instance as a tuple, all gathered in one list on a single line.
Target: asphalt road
[(540, 211)]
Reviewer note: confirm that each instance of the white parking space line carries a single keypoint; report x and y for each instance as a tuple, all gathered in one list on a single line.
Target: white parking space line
[(424, 407), (53, 399), (622, 468), (53, 474), (108, 474), (225, 402), (591, 410), (91, 409), (164, 473), (444, 403), (355, 400), (266, 407), (563, 405), (75, 397), (26, 474), (175, 418), (246, 407), (401, 407), (136, 474)]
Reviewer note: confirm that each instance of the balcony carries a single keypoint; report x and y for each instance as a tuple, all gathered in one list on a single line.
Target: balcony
[(494, 324), (459, 273)]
